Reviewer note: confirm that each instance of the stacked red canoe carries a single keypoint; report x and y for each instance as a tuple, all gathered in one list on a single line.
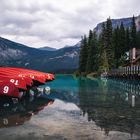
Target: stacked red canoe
[(14, 80)]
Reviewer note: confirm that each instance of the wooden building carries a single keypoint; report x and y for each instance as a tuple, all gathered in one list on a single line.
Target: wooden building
[(134, 53)]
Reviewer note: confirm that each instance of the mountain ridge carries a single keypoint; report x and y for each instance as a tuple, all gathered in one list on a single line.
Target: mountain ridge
[(46, 48), (117, 22)]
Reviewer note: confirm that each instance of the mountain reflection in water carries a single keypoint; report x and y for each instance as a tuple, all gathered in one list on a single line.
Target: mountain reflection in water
[(14, 112)]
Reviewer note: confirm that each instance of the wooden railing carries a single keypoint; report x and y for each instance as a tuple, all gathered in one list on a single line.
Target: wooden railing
[(125, 72)]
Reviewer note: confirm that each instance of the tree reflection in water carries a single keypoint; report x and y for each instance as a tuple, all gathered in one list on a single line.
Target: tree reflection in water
[(114, 105)]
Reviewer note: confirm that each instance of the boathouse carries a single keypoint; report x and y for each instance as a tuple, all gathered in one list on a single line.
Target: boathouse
[(134, 53)]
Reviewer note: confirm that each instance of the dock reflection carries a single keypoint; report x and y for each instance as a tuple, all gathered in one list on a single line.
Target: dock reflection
[(112, 104)]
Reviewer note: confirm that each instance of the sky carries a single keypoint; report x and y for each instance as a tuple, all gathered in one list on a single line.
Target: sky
[(56, 23)]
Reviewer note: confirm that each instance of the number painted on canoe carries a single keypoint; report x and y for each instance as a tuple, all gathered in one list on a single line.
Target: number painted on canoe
[(14, 81), (5, 89)]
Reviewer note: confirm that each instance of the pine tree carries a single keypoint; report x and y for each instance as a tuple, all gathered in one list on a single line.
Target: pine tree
[(121, 43), (116, 44), (127, 38), (83, 55), (138, 40), (122, 39), (90, 41), (133, 34), (92, 55), (108, 44), (123, 47), (102, 59), (90, 37), (103, 34)]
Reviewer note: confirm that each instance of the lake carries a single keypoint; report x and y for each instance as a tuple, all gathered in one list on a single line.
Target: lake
[(76, 109)]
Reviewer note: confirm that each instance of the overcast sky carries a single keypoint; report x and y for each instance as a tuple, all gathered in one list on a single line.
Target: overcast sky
[(57, 23)]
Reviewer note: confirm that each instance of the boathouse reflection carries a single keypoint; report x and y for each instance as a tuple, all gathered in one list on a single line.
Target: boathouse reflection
[(112, 104)]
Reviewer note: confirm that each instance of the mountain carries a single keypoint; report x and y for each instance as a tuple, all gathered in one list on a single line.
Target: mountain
[(19, 55), (117, 22), (47, 48)]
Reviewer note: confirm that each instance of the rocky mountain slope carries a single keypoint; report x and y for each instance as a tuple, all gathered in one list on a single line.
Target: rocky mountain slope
[(15, 54), (115, 22)]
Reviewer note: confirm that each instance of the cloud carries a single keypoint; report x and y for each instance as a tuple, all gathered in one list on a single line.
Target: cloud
[(57, 23)]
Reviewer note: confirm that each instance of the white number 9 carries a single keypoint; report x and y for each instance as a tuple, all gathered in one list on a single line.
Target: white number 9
[(5, 89)]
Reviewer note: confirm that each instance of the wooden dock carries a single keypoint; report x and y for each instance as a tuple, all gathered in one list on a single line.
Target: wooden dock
[(129, 72)]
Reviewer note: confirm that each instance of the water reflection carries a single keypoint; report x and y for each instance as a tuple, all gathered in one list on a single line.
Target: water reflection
[(113, 105), (14, 112)]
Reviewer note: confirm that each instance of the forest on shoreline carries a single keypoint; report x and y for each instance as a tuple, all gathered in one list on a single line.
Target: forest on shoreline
[(109, 49)]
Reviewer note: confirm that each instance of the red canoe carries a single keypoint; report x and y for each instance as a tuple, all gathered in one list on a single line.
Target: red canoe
[(6, 73), (47, 76), (8, 89), (19, 82), (24, 73)]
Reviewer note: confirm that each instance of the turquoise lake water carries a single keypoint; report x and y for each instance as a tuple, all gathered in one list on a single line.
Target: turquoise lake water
[(83, 109)]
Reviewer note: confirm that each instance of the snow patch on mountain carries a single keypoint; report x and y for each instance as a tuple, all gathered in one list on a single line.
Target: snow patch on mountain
[(72, 55), (12, 53), (26, 64), (67, 54)]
